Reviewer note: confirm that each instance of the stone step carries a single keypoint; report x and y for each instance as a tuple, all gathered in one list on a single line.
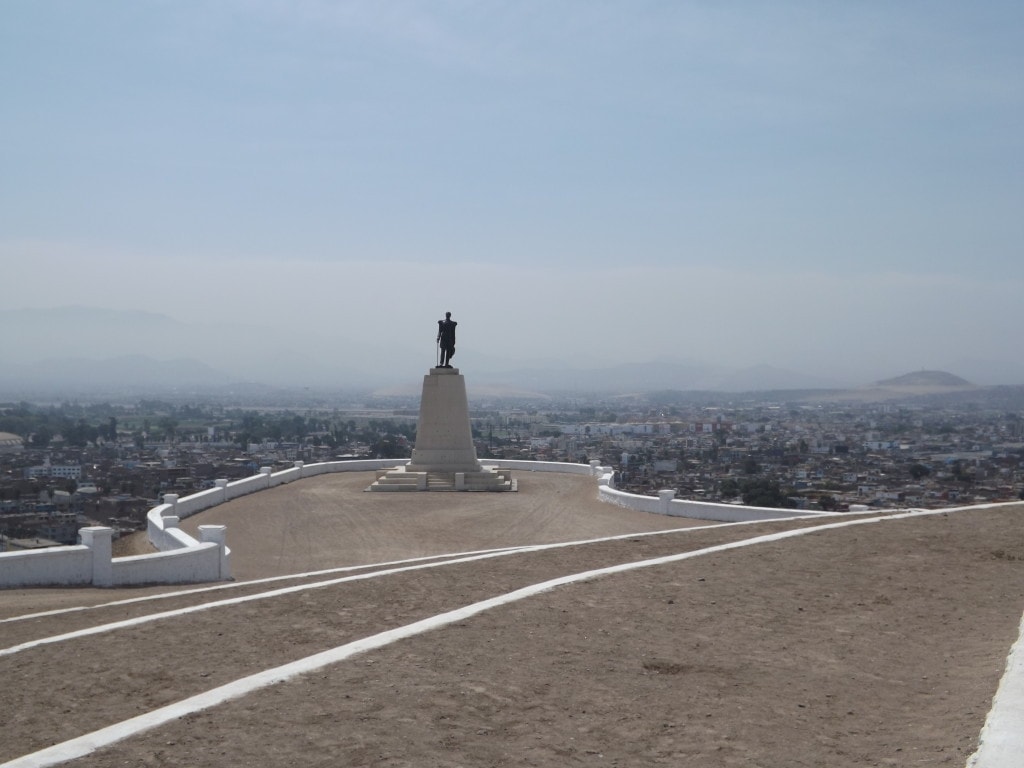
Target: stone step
[(438, 481), (488, 479)]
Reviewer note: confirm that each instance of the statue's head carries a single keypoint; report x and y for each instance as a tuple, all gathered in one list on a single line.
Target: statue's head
[(447, 315)]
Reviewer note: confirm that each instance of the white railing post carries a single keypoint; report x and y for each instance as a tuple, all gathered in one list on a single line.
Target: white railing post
[(99, 539), (665, 498), (267, 472), (222, 484), (299, 465), (218, 535)]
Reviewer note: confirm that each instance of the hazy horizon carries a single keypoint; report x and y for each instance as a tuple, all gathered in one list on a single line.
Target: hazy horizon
[(834, 190), (83, 350)]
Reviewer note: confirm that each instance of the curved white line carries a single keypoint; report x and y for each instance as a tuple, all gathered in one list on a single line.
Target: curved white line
[(84, 745), (238, 584), (133, 622), (347, 568)]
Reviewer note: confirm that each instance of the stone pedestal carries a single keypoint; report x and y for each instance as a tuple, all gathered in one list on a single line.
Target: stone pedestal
[(444, 439), (444, 458)]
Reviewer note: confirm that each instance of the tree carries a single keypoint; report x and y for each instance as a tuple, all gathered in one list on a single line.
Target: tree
[(917, 471), (42, 436), (729, 488), (960, 474), (762, 492), (79, 434), (387, 448), (828, 503), (169, 426)]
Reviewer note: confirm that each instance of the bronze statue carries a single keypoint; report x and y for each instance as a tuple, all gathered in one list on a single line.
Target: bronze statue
[(446, 339)]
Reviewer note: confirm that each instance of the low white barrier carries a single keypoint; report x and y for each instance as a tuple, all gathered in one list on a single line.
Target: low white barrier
[(197, 502), (198, 563), (666, 504), (246, 486), (54, 565), (183, 559), (85, 563), (732, 513)]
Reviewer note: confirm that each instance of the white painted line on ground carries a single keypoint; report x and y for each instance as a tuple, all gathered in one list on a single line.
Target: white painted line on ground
[(348, 568), (84, 745), (134, 622), (484, 554), (238, 584), (1001, 743)]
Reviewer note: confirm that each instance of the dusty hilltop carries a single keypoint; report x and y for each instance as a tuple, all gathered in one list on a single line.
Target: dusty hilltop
[(871, 644)]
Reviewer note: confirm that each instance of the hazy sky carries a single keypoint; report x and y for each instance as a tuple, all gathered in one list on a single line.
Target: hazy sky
[(805, 184)]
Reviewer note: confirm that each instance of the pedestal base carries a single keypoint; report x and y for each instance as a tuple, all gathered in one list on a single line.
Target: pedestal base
[(444, 458), (404, 479)]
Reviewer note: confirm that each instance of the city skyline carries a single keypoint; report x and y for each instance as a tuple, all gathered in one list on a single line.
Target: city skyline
[(832, 190)]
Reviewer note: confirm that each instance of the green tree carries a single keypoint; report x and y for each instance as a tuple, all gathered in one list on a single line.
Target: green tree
[(42, 436), (763, 492), (729, 488), (917, 471), (828, 503), (169, 426)]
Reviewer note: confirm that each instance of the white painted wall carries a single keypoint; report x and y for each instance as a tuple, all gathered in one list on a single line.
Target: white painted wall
[(182, 559), (198, 563), (54, 565), (665, 504)]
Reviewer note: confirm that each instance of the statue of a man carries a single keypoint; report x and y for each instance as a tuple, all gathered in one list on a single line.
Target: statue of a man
[(446, 339)]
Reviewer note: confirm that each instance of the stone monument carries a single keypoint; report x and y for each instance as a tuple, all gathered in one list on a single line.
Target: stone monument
[(444, 458)]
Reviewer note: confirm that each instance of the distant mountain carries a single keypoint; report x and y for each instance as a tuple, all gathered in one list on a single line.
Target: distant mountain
[(83, 346), (652, 376), (135, 372), (613, 378), (925, 379), (761, 378), (42, 343), (30, 336)]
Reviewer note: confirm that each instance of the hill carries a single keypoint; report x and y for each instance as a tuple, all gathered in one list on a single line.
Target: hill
[(925, 379)]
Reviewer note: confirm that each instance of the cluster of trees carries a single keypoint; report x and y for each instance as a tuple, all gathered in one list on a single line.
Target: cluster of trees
[(38, 426), (385, 437), (80, 425), (758, 492)]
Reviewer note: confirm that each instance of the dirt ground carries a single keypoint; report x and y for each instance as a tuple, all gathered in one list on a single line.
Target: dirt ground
[(877, 644)]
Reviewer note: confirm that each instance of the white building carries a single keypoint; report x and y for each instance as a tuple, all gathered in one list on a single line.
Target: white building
[(65, 471)]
